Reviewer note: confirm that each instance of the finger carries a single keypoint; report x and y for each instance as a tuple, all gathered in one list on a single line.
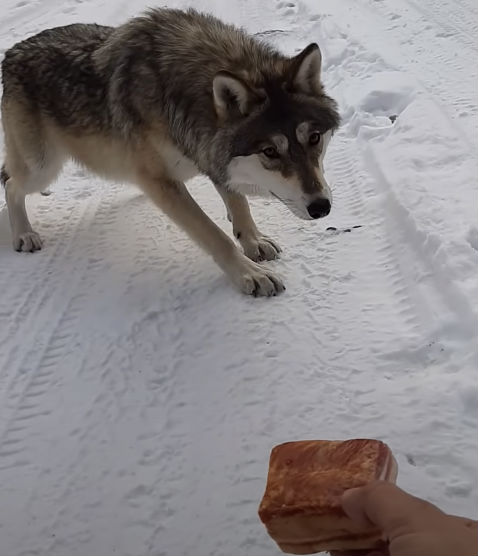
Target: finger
[(391, 509)]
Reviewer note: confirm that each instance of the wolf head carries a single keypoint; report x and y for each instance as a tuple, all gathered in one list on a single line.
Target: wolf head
[(277, 129)]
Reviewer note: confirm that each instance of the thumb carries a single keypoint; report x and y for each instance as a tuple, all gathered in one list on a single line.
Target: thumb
[(389, 508)]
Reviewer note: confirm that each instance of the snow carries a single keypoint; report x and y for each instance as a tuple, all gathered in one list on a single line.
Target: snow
[(140, 394)]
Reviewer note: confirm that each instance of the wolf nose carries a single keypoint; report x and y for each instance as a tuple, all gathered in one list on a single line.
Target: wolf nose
[(319, 208)]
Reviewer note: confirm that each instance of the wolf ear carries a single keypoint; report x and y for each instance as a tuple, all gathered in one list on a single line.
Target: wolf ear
[(232, 96), (304, 76)]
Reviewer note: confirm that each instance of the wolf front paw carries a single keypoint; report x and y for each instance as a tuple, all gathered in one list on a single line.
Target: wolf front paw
[(28, 242), (253, 279), (260, 248)]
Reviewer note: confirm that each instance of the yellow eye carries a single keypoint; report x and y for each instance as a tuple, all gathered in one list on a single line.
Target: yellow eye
[(270, 152), (314, 138)]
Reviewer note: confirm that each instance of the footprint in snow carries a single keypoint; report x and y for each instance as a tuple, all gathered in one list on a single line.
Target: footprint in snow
[(287, 8)]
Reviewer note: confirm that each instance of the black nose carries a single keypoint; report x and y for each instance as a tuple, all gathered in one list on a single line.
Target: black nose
[(319, 208)]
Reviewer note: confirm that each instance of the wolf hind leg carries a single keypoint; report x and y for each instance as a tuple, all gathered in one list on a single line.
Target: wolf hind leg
[(24, 238), (31, 164)]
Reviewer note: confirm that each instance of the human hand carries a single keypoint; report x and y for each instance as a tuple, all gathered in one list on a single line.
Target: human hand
[(410, 526)]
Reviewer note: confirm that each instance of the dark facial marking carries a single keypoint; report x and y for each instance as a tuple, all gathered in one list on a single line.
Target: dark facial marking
[(281, 114)]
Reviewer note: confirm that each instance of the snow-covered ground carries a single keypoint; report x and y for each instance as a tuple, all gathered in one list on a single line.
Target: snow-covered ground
[(140, 394)]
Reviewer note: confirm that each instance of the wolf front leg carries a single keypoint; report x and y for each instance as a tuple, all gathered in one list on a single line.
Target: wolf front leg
[(176, 202), (256, 245)]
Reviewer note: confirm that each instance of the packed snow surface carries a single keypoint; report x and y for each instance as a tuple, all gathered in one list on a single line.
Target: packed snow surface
[(140, 393)]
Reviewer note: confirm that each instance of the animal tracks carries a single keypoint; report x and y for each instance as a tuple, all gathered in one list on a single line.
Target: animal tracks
[(287, 8)]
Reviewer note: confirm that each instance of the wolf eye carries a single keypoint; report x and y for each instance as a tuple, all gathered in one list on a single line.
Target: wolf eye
[(270, 152), (314, 138)]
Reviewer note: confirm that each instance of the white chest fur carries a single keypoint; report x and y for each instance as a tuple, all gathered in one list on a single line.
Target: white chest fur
[(178, 166)]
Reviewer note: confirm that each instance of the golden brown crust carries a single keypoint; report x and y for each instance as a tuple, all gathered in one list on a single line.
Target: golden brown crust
[(301, 505)]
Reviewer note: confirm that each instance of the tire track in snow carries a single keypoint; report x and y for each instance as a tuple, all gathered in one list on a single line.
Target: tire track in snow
[(430, 296), (454, 22), (28, 284), (165, 444), (452, 300), (124, 484), (55, 367), (29, 287), (417, 253), (361, 200), (113, 366), (33, 376)]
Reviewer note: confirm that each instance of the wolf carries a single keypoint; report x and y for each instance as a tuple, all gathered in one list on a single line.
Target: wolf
[(164, 97)]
